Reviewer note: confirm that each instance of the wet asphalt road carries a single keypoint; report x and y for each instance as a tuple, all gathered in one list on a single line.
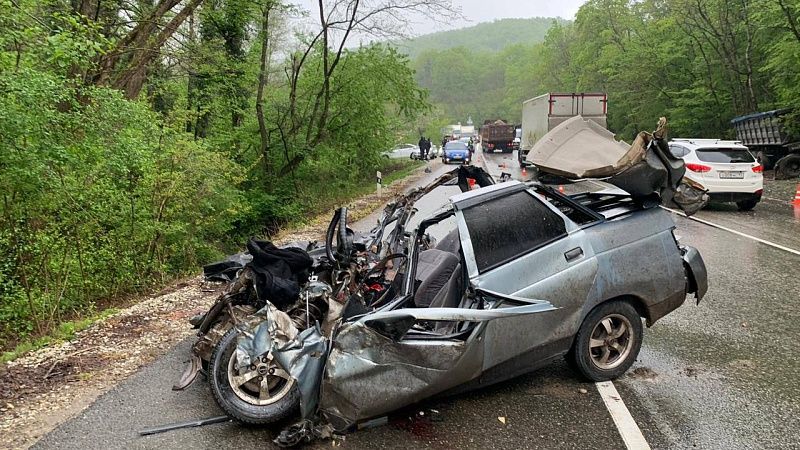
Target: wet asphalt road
[(723, 374)]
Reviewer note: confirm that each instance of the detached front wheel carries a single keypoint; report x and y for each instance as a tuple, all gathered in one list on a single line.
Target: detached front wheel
[(607, 342), (258, 394)]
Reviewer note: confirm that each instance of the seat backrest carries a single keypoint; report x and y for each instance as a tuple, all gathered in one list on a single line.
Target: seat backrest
[(451, 243), (450, 295), (435, 272)]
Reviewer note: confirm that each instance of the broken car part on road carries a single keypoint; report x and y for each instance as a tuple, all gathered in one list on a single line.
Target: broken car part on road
[(579, 148), (522, 274)]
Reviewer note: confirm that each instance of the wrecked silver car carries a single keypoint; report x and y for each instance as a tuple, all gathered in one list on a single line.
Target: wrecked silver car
[(366, 324)]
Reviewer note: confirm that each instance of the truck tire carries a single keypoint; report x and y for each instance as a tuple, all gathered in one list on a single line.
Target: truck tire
[(788, 167), (243, 402), (765, 161), (597, 353)]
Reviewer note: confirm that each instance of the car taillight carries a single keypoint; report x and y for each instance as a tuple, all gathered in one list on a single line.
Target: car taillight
[(758, 169), (700, 168)]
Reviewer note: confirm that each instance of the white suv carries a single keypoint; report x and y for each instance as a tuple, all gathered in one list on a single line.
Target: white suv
[(726, 169)]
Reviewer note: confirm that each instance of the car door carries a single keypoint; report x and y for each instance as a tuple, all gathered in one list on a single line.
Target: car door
[(522, 248), (377, 364)]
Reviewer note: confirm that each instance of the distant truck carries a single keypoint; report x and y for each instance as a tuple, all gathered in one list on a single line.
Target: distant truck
[(767, 137), (497, 135), (458, 131), (541, 114)]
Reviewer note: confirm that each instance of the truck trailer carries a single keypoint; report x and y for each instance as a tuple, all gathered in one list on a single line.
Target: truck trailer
[(541, 114), (497, 135), (768, 138)]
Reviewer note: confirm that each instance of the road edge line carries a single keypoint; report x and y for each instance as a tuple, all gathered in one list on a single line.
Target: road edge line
[(730, 230), (627, 427)]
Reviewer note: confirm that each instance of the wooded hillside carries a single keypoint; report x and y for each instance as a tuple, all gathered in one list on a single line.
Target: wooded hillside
[(482, 37), (700, 63)]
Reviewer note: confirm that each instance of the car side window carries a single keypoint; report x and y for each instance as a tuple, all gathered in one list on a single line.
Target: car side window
[(678, 151), (511, 226)]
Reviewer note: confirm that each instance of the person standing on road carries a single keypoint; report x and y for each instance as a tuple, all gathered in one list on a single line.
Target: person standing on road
[(421, 144)]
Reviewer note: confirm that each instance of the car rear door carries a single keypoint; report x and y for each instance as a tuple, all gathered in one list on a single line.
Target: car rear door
[(522, 248)]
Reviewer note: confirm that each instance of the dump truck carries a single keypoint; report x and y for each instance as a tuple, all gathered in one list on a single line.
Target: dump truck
[(497, 135), (541, 114), (766, 135)]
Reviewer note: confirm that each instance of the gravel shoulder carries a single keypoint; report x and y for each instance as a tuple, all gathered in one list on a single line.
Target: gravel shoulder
[(46, 387)]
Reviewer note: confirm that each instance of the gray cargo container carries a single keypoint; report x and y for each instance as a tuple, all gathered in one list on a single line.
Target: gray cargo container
[(543, 113), (767, 136)]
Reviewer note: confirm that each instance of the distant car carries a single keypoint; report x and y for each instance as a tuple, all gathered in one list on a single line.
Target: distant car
[(433, 153), (402, 151), (726, 169), (456, 151)]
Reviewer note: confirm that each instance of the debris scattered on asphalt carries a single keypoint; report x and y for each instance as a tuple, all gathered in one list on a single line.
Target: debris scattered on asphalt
[(583, 391), (374, 423), (643, 373), (187, 424), (502, 420)]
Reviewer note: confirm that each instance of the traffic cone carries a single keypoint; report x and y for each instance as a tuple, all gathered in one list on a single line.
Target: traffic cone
[(471, 182), (796, 201)]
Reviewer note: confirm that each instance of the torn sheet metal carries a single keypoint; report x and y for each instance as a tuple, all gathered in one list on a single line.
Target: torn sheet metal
[(265, 330), (304, 358), (369, 375), (579, 148), (690, 197)]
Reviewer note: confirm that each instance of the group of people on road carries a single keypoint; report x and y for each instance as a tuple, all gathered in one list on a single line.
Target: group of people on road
[(424, 147)]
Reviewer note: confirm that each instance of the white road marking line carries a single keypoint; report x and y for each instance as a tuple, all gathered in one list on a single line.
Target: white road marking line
[(785, 202), (739, 233), (630, 432)]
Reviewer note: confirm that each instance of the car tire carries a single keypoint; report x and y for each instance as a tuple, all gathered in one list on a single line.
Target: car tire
[(749, 204), (614, 356), (231, 399)]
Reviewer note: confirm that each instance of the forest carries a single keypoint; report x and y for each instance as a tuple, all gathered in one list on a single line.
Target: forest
[(142, 139), (698, 62)]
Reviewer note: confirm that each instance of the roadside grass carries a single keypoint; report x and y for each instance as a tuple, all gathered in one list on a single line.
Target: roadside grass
[(64, 332), (326, 199)]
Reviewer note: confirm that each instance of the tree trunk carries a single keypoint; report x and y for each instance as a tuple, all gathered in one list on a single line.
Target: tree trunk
[(262, 81)]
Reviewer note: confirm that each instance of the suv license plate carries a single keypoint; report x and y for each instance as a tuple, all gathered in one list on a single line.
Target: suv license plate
[(731, 174)]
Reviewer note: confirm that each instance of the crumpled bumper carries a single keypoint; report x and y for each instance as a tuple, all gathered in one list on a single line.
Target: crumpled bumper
[(695, 272)]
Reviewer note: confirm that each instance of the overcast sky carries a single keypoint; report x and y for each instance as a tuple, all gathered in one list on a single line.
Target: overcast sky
[(476, 11), (488, 10)]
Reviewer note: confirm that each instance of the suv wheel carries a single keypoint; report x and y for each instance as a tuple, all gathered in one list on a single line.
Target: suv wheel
[(747, 205), (607, 342)]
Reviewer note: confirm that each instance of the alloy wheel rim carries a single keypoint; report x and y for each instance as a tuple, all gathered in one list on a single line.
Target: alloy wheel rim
[(261, 384), (611, 341)]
